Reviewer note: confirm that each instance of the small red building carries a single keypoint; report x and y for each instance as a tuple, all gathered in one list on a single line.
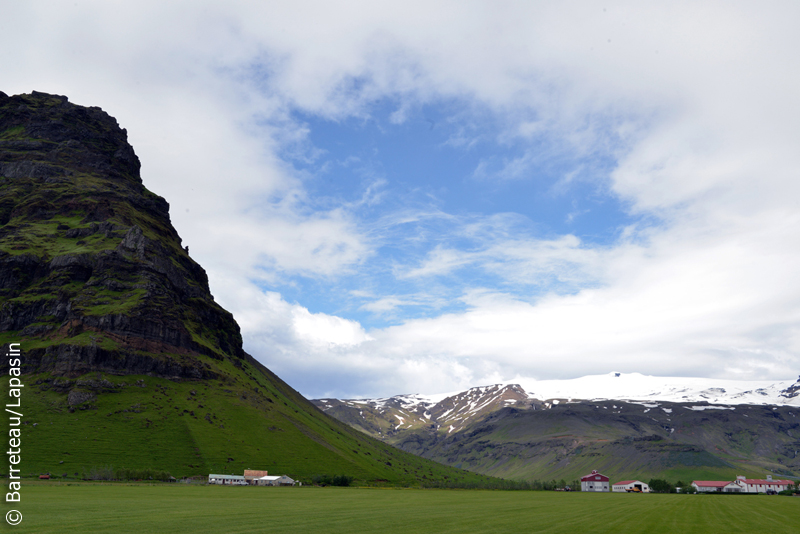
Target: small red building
[(595, 482)]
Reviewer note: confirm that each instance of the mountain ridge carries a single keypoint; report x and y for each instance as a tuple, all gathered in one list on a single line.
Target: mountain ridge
[(705, 427)]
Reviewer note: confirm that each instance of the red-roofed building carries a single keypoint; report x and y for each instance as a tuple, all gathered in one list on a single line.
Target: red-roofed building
[(755, 485), (743, 485), (631, 486), (594, 482), (252, 475), (708, 486)]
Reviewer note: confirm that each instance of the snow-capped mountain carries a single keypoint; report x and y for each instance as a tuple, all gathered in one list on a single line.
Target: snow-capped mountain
[(611, 386), (547, 427), (635, 386), (451, 412), (381, 417)]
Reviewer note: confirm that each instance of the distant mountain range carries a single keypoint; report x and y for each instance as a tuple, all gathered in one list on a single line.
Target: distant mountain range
[(632, 424)]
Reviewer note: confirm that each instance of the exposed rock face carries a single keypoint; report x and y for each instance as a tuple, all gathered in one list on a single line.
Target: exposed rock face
[(793, 390), (92, 274), (77, 396)]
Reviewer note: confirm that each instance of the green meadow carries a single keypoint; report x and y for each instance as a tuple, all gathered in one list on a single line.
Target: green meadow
[(120, 508)]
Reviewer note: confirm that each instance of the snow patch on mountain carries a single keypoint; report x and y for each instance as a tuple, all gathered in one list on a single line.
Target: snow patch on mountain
[(639, 387)]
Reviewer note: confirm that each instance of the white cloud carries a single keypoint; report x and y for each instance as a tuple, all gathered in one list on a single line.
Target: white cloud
[(697, 103)]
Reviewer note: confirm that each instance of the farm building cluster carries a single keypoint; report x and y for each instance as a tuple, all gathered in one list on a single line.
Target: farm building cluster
[(599, 482), (251, 477), (743, 485)]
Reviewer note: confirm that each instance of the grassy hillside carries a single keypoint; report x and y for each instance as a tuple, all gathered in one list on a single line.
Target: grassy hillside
[(245, 419)]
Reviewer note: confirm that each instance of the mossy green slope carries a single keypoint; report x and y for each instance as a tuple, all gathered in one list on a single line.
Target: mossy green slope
[(128, 360), (245, 419)]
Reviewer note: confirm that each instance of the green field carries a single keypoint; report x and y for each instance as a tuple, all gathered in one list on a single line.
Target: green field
[(121, 508)]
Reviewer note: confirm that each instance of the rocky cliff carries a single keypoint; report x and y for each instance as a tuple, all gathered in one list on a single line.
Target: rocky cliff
[(92, 274)]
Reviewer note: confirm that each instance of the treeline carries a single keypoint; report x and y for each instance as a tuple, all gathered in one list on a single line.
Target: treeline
[(109, 473), (502, 484)]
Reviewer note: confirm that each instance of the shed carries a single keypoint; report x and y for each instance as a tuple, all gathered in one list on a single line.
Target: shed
[(595, 482)]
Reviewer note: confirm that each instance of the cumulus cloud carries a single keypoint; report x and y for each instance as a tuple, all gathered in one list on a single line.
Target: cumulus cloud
[(693, 105)]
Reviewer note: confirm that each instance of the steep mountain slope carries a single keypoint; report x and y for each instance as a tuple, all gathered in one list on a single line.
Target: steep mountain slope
[(128, 361), (504, 431)]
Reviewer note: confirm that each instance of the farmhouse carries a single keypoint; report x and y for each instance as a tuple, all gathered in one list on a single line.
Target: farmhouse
[(631, 486), (706, 486), (742, 485), (251, 475), (594, 482), (754, 485), (227, 480)]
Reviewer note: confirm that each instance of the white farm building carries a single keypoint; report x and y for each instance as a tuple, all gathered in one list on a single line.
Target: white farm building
[(227, 480), (631, 486), (594, 482), (251, 478), (743, 485)]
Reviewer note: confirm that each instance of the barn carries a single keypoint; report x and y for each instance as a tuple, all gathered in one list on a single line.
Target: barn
[(595, 482), (631, 486)]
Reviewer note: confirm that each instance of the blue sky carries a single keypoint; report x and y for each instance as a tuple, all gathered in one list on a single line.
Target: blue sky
[(428, 196), (443, 167)]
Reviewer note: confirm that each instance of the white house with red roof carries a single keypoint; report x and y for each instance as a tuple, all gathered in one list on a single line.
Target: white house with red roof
[(743, 485), (757, 485), (594, 482), (631, 486), (709, 486)]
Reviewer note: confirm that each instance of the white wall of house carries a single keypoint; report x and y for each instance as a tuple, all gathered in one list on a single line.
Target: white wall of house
[(594, 485)]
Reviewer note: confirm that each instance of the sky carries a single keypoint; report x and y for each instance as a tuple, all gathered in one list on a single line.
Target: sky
[(420, 197)]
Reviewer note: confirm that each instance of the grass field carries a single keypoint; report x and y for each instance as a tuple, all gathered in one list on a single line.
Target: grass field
[(142, 509)]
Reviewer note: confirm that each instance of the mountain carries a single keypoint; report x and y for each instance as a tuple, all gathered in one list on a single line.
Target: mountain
[(625, 425), (127, 360)]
